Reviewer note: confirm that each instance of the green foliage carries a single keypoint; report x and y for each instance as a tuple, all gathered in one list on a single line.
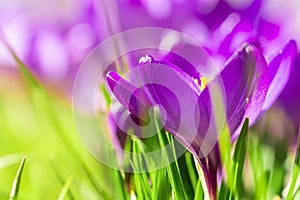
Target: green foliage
[(295, 173), (231, 189)]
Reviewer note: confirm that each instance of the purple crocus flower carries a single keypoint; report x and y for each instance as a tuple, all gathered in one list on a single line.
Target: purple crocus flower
[(251, 85), (245, 80)]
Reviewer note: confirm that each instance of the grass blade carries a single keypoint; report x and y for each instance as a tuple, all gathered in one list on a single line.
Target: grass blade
[(161, 185), (185, 175), (193, 176), (141, 179), (65, 188), (16, 184), (257, 168), (225, 149), (199, 193), (240, 154), (31, 80), (172, 170), (234, 178), (295, 172)]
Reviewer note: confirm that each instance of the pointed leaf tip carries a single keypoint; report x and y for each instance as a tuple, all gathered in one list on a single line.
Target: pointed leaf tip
[(16, 184)]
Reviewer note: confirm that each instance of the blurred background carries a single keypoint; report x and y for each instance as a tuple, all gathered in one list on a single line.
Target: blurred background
[(52, 38)]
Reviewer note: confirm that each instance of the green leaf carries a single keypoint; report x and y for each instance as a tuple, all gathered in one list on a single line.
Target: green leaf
[(277, 173), (240, 154), (234, 178), (297, 157), (257, 168), (225, 154), (172, 169), (141, 179), (65, 188), (185, 177), (31, 80), (161, 185), (60, 177), (199, 193), (191, 169), (225, 149), (17, 181), (106, 95), (295, 173)]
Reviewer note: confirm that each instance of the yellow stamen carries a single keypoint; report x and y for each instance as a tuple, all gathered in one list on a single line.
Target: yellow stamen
[(204, 82), (196, 81)]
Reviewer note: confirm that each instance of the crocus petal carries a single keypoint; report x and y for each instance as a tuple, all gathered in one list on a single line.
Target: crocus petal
[(245, 83), (172, 89), (210, 166), (290, 96), (165, 85), (280, 68), (118, 136), (259, 91), (123, 91), (183, 64)]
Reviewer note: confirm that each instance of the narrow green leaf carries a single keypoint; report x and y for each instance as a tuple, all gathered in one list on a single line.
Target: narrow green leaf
[(161, 185), (141, 179), (234, 178), (277, 173), (185, 176), (225, 149), (295, 175), (181, 167), (106, 95), (172, 169), (223, 190), (65, 188), (92, 180), (193, 176), (32, 81), (240, 153), (120, 186), (297, 157), (295, 172), (257, 168), (296, 193), (199, 193), (17, 181), (60, 177)]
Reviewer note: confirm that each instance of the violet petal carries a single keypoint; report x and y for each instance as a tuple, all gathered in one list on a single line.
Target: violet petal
[(280, 68)]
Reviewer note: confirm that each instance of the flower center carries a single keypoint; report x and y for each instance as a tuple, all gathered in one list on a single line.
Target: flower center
[(203, 82)]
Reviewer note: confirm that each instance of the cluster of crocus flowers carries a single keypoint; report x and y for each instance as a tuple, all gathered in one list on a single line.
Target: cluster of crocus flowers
[(251, 85)]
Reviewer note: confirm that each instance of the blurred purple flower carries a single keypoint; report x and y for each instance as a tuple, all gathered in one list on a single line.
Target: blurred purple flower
[(290, 97), (51, 37)]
